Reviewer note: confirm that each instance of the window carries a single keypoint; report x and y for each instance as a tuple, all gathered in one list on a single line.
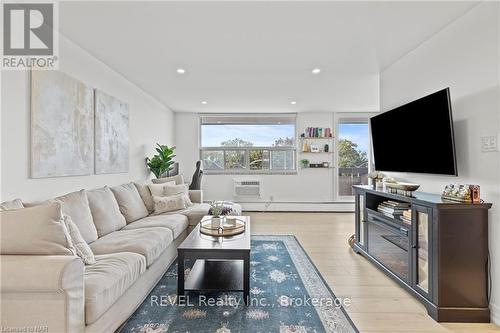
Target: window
[(248, 143), (353, 153)]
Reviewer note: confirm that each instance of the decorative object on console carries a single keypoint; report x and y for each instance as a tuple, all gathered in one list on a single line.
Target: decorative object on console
[(162, 162), (111, 134), (62, 126), (327, 148), (376, 178), (406, 188), (197, 176), (462, 193)]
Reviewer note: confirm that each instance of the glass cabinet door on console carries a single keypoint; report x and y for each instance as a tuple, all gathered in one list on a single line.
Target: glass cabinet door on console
[(388, 242), (422, 242), (360, 220)]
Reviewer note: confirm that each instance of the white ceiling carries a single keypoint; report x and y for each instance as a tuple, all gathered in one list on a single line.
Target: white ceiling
[(256, 56)]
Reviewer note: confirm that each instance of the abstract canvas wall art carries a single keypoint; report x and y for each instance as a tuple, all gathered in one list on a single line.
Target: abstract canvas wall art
[(111, 134), (62, 125)]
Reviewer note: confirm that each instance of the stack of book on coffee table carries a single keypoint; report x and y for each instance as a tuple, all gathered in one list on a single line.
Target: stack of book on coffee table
[(393, 209)]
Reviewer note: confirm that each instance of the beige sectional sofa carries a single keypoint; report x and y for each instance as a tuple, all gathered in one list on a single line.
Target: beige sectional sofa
[(133, 249)]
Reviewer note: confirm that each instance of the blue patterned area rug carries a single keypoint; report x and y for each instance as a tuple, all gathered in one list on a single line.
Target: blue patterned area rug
[(287, 292)]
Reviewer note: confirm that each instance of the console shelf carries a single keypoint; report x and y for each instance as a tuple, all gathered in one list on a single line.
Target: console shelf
[(441, 257)]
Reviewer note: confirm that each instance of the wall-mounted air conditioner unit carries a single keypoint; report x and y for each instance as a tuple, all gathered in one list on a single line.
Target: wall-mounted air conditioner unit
[(248, 188)]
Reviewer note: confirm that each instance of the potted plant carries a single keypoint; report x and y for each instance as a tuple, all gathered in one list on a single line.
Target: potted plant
[(216, 210), (161, 163), (305, 163)]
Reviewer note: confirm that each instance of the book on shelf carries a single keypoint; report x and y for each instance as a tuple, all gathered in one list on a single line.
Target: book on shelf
[(393, 208), (317, 132), (405, 220)]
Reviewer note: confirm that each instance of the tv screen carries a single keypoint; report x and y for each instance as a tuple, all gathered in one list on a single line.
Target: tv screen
[(416, 137)]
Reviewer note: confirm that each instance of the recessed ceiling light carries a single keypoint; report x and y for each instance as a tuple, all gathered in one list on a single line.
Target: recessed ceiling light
[(180, 71), (204, 102), (293, 102), (316, 70)]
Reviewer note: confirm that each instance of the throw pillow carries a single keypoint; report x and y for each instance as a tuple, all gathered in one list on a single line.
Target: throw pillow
[(13, 204), (145, 193), (182, 189), (81, 247), (158, 189), (105, 211), (76, 205), (169, 204), (130, 202), (37, 230), (178, 179)]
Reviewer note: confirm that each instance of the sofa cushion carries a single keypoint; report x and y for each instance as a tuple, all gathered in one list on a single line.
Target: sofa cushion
[(182, 189), (149, 242), (13, 204), (82, 249), (105, 211), (175, 222), (178, 179), (108, 279), (169, 204), (37, 230), (145, 193), (158, 189), (194, 213), (76, 205), (130, 202)]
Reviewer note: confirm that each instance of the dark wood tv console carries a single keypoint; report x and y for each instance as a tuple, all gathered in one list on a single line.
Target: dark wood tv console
[(440, 257)]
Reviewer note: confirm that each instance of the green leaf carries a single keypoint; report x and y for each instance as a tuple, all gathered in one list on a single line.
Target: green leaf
[(162, 162)]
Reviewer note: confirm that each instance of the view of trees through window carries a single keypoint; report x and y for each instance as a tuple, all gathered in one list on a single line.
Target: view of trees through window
[(352, 155), (248, 147)]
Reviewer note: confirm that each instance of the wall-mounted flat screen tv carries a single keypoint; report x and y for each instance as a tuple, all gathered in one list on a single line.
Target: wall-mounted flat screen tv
[(416, 137)]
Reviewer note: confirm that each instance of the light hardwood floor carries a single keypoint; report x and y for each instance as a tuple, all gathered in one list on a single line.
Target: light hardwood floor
[(378, 303)]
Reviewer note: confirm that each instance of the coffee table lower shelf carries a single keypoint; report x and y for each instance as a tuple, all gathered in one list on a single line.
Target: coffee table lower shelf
[(215, 275)]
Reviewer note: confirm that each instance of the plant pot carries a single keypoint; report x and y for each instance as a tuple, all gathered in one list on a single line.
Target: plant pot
[(217, 222)]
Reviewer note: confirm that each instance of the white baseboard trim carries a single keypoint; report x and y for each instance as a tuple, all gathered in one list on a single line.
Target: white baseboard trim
[(495, 314), (298, 206)]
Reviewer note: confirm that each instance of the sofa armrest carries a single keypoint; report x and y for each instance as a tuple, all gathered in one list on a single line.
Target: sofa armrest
[(196, 196), (42, 291)]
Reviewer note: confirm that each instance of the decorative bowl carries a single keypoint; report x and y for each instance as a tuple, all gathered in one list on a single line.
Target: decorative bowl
[(403, 186)]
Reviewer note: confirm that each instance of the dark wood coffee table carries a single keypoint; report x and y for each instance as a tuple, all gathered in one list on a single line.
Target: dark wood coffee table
[(221, 264)]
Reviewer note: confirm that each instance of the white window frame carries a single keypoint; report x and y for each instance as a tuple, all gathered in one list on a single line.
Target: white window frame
[(352, 117), (247, 150)]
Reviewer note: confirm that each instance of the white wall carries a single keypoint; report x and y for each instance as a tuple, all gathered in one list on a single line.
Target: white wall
[(465, 57), (309, 189), (150, 122)]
